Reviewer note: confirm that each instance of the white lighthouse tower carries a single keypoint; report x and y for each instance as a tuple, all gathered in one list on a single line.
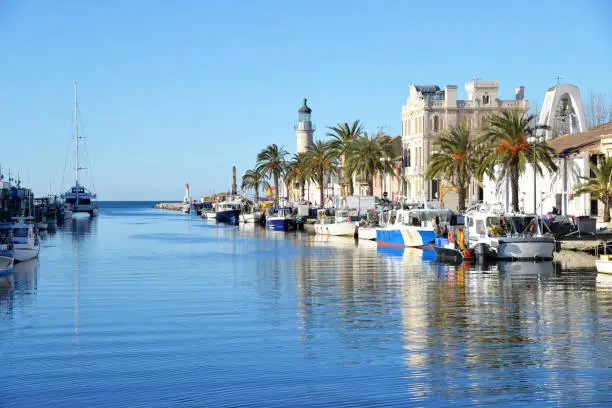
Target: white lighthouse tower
[(304, 129)]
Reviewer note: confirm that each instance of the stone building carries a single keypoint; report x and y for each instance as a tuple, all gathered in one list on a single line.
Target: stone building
[(430, 110)]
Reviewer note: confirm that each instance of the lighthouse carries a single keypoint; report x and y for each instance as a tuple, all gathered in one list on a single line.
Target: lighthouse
[(304, 129)]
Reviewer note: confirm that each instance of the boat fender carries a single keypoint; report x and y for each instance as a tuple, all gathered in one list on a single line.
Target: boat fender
[(451, 236)]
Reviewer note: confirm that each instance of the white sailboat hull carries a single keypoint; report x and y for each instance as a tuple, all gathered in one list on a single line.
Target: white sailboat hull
[(26, 252), (526, 248), (337, 229)]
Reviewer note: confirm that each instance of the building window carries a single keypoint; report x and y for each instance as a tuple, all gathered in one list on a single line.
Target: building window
[(485, 99), (407, 157), (436, 124)]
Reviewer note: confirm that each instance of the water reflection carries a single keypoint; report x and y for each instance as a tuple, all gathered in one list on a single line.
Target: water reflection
[(81, 226), (26, 276)]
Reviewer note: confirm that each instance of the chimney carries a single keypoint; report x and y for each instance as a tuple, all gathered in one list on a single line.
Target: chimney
[(450, 94)]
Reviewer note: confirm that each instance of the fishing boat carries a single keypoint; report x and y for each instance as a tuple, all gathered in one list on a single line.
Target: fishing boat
[(282, 219), (6, 240), (510, 236), (228, 212), (78, 198), (413, 227), (25, 242), (339, 225)]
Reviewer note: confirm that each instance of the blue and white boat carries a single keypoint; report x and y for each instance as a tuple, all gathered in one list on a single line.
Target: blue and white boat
[(25, 242), (281, 220), (412, 228), (228, 212)]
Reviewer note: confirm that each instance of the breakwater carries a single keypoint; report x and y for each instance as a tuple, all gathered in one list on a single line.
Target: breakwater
[(169, 206)]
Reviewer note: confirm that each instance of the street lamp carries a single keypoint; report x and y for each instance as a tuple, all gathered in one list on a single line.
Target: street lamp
[(534, 141)]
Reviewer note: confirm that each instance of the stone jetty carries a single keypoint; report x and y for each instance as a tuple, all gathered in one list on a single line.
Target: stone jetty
[(169, 206)]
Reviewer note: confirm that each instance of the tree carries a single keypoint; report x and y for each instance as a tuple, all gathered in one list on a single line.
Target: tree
[(343, 136), (254, 179), (368, 157), (297, 170), (505, 146), (271, 161), (598, 110), (454, 159), (322, 159), (600, 186)]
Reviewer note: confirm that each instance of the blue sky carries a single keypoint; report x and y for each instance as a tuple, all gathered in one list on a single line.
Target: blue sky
[(175, 92)]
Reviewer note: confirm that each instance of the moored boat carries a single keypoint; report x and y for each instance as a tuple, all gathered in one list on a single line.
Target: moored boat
[(282, 219), (339, 225), (79, 199), (228, 212), (25, 242), (413, 227), (507, 236), (6, 265)]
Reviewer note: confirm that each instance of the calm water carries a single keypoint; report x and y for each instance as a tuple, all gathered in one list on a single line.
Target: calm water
[(142, 307)]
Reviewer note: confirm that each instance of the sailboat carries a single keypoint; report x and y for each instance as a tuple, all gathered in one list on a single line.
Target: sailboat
[(79, 199)]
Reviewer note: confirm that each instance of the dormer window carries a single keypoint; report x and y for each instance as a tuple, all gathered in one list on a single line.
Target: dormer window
[(485, 99)]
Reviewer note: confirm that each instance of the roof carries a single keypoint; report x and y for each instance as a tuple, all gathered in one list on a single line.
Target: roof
[(305, 108), (581, 142), (427, 88)]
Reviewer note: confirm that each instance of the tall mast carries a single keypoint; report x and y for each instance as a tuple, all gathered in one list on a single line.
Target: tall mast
[(76, 139)]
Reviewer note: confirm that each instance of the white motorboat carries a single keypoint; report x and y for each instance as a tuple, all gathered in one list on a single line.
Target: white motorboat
[(25, 242), (339, 225), (507, 236), (79, 199), (604, 264)]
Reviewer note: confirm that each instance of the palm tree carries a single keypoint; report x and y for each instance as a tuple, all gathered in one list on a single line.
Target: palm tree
[(600, 186), (505, 141), (297, 171), (271, 161), (343, 136), (454, 160), (322, 159), (254, 179), (368, 157)]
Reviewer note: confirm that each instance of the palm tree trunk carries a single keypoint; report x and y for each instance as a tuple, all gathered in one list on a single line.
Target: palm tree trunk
[(607, 210), (514, 185), (321, 204), (256, 193), (302, 186), (277, 187), (351, 186), (462, 198), (370, 186)]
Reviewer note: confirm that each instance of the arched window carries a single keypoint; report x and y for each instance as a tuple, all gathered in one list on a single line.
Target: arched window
[(485, 99), (441, 123), (436, 124)]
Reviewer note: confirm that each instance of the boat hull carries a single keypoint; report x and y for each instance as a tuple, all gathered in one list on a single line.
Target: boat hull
[(341, 229), (25, 253), (369, 234), (603, 266), (6, 265), (526, 248), (409, 237), (280, 224), (228, 216)]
